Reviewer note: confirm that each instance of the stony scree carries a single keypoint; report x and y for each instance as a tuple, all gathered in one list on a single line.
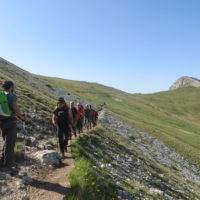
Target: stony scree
[(153, 148), (137, 173)]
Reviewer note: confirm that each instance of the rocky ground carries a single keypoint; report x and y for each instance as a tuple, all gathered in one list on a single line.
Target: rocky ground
[(42, 175), (141, 166)]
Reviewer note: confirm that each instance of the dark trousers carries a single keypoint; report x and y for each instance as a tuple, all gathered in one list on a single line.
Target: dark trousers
[(63, 136), (9, 133), (80, 124), (74, 126)]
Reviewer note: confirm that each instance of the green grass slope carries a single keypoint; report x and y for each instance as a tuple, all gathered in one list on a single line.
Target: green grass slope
[(172, 116), (35, 99)]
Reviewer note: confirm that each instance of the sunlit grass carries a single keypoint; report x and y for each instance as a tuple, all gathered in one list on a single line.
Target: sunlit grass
[(88, 182)]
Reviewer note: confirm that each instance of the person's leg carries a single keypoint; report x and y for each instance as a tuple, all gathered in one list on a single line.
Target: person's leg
[(9, 130), (79, 125), (90, 123), (66, 136), (85, 123), (93, 125), (74, 126), (3, 150), (70, 135), (2, 145), (60, 139)]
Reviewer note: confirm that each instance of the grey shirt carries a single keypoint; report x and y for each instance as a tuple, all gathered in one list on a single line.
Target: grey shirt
[(12, 98)]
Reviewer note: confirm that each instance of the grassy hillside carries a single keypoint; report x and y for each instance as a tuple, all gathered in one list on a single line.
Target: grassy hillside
[(32, 93), (35, 99), (171, 116)]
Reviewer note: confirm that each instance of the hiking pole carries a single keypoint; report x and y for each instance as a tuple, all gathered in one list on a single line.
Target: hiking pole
[(56, 131), (25, 133)]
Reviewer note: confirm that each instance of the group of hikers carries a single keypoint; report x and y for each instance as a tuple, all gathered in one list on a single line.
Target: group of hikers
[(71, 120), (67, 119)]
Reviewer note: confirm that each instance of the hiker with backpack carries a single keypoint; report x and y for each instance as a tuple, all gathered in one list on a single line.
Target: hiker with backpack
[(87, 117), (62, 119), (80, 117), (96, 115), (74, 115), (93, 116), (9, 112)]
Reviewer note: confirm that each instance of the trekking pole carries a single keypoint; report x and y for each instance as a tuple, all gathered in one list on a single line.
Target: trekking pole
[(25, 132), (1, 140), (56, 131)]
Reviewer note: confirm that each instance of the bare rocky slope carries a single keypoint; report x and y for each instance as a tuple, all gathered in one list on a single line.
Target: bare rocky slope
[(140, 166), (185, 82)]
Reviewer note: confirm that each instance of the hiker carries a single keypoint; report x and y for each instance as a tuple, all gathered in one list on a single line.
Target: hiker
[(93, 116), (62, 119), (96, 115), (80, 116), (8, 123), (74, 115), (87, 117)]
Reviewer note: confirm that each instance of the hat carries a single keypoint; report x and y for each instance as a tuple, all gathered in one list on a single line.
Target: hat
[(61, 100)]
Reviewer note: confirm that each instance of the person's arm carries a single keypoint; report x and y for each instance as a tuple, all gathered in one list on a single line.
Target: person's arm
[(70, 117), (18, 112), (54, 120), (76, 114), (83, 113)]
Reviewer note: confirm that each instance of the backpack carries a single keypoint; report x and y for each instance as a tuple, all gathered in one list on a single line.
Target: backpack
[(5, 110), (63, 115)]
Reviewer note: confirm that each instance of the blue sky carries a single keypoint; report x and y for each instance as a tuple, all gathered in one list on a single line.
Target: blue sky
[(139, 46)]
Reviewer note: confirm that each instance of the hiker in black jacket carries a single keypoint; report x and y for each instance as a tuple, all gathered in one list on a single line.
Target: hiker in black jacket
[(8, 126), (62, 119), (75, 115), (87, 117)]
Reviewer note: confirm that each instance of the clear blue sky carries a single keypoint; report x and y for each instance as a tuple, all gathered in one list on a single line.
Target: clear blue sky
[(133, 45)]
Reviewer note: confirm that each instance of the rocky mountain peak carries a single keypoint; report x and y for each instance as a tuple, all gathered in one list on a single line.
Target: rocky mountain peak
[(185, 81)]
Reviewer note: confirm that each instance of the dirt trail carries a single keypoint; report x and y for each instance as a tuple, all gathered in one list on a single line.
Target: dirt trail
[(54, 183)]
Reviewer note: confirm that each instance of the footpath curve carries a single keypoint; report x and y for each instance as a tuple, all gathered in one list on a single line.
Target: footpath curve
[(54, 183)]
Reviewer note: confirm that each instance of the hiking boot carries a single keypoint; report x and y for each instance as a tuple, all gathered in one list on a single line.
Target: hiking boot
[(63, 155), (75, 133), (10, 170)]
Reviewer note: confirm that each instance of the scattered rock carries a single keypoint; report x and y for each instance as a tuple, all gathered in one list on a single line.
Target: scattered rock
[(4, 176), (25, 198), (20, 185), (157, 191), (5, 190), (48, 157), (141, 163), (27, 179)]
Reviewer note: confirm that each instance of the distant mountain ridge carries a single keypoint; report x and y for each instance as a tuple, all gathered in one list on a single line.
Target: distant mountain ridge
[(185, 81)]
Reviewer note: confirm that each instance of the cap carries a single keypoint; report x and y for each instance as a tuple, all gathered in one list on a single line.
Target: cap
[(61, 100)]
